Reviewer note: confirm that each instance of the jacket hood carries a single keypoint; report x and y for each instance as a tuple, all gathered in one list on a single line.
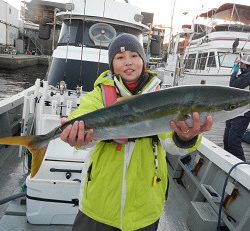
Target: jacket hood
[(104, 78)]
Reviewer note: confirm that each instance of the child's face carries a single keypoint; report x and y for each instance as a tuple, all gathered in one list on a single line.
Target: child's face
[(129, 65)]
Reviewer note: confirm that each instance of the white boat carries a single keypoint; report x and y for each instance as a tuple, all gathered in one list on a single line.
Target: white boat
[(52, 194), (208, 56)]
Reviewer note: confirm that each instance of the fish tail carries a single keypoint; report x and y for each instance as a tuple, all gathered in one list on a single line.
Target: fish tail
[(32, 144), (17, 140), (37, 159)]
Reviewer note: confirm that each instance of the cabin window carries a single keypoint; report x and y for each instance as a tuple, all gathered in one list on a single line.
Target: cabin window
[(201, 62), (190, 61), (70, 32), (211, 62), (233, 27), (77, 32), (227, 59)]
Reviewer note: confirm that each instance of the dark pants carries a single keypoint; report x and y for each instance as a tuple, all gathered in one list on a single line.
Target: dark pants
[(85, 223), (235, 128)]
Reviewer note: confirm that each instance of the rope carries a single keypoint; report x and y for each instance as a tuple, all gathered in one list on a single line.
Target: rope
[(13, 197), (67, 48), (83, 32)]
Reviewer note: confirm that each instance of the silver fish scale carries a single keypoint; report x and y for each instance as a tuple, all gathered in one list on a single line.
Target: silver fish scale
[(150, 114)]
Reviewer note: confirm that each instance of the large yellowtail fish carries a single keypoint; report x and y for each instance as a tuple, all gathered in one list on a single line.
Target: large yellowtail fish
[(145, 115)]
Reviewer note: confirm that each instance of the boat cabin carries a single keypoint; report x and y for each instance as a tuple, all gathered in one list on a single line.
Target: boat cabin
[(88, 27)]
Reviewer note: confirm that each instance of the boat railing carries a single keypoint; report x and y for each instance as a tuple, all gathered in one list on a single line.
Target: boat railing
[(11, 113), (202, 175), (34, 40)]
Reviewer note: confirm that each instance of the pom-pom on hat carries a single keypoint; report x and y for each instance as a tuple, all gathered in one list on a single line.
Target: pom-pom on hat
[(125, 42)]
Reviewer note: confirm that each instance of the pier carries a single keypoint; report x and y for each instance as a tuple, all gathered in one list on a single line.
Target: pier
[(9, 61)]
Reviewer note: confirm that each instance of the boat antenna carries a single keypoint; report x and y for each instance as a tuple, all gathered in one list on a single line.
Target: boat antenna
[(67, 47), (171, 25), (99, 55), (83, 33)]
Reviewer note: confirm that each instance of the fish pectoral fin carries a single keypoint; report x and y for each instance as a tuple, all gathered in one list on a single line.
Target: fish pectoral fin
[(37, 159), (187, 117), (181, 116)]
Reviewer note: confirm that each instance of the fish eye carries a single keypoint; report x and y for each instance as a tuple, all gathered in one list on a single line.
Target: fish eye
[(231, 107)]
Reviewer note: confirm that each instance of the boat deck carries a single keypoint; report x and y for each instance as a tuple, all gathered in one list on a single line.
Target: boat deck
[(173, 218), (13, 215)]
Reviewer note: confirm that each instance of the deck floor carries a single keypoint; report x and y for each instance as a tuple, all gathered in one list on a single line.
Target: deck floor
[(174, 216), (11, 174)]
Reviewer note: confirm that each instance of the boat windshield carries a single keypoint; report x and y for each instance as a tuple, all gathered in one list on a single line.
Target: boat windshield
[(232, 27), (91, 34), (227, 59)]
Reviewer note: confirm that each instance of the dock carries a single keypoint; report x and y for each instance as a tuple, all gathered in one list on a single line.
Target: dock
[(12, 61)]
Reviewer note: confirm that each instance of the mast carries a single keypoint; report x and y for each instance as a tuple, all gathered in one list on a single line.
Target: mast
[(171, 24)]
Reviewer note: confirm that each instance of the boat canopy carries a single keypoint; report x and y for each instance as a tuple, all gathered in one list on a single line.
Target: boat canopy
[(230, 12)]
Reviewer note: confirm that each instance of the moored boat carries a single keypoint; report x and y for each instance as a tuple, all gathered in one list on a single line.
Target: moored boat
[(211, 50)]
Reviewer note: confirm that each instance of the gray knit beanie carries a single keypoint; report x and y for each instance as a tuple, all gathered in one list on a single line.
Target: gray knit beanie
[(125, 42)]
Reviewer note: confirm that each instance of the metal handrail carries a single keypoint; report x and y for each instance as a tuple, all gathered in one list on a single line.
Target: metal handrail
[(35, 41)]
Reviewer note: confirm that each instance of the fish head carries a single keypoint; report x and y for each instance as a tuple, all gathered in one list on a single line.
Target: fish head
[(235, 102), (221, 102)]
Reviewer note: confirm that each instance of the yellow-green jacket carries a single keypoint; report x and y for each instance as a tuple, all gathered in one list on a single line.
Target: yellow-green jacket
[(118, 187)]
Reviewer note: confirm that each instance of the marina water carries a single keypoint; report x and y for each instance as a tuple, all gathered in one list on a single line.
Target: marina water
[(15, 81)]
